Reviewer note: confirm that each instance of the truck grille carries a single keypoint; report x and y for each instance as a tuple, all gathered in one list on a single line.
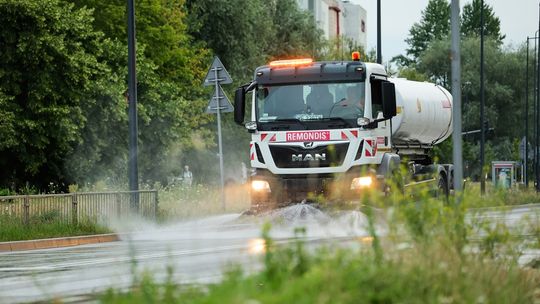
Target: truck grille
[(334, 156)]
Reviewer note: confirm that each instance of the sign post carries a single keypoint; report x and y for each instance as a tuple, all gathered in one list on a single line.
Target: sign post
[(217, 75)]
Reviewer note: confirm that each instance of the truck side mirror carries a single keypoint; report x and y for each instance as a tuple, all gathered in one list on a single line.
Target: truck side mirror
[(389, 100), (239, 105)]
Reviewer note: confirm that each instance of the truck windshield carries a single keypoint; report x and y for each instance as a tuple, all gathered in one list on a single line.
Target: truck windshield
[(320, 102)]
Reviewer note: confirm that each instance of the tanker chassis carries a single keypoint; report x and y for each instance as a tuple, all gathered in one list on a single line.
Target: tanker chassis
[(336, 128)]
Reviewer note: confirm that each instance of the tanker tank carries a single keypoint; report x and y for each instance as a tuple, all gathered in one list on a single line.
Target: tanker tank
[(424, 114)]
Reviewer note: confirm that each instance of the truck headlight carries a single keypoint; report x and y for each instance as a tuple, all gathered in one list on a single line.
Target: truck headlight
[(260, 186), (361, 182)]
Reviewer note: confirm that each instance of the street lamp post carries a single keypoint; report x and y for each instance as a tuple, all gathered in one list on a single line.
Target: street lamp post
[(132, 98), (526, 135), (379, 43), (482, 102), (537, 177)]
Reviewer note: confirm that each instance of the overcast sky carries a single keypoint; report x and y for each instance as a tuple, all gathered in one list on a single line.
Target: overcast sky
[(519, 18)]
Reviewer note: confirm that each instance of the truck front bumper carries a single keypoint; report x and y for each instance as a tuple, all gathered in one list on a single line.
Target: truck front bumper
[(287, 189)]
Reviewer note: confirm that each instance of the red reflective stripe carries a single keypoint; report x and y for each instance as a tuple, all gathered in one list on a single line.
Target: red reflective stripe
[(273, 138), (343, 135), (252, 156), (354, 133), (263, 136), (369, 148)]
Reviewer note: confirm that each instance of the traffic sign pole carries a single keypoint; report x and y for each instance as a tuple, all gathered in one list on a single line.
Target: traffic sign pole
[(217, 97), (219, 103)]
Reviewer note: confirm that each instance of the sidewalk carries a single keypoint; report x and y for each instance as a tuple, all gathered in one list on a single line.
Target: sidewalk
[(58, 242)]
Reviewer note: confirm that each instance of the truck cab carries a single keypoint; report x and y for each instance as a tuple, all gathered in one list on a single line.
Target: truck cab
[(319, 129)]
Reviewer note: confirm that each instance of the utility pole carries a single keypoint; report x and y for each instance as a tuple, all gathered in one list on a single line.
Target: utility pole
[(527, 81), (482, 103), (526, 158), (132, 99), (456, 94), (379, 43), (537, 177), (535, 129)]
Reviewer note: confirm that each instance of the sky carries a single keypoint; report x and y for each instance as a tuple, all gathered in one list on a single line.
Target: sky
[(519, 19)]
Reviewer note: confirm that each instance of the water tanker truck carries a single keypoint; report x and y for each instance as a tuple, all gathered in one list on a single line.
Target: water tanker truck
[(336, 128)]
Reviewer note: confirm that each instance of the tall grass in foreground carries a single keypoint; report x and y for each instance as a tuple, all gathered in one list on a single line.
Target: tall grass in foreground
[(46, 225), (434, 251)]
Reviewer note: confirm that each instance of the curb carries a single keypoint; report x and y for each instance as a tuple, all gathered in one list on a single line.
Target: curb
[(58, 242)]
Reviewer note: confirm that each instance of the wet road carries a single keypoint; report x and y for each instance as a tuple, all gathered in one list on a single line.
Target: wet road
[(198, 252)]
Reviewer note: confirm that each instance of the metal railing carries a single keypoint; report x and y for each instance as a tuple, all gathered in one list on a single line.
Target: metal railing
[(95, 206)]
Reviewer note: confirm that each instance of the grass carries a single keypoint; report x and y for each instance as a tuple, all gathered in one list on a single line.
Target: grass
[(47, 225), (500, 197), (179, 202), (434, 252)]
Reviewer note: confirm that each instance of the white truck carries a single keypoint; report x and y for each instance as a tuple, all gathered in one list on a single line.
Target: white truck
[(335, 128)]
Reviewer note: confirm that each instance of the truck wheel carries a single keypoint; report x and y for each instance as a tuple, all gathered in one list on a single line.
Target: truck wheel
[(442, 187)]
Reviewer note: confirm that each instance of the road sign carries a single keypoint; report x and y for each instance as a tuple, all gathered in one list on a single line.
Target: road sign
[(224, 103), (223, 76), (217, 75)]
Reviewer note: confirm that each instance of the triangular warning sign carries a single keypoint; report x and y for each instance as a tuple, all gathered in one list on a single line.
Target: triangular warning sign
[(223, 76), (224, 103)]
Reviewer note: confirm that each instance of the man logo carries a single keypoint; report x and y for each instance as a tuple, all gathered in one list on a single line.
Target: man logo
[(308, 144), (308, 157)]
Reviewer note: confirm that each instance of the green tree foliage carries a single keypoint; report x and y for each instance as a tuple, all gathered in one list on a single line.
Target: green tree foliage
[(48, 67), (161, 26), (296, 33), (434, 25), (504, 94), (237, 31), (470, 24), (246, 34), (170, 69)]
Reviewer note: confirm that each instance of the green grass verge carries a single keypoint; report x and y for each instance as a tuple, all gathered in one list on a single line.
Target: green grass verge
[(500, 197), (47, 225), (179, 202)]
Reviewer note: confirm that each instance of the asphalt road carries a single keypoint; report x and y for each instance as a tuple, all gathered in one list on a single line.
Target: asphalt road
[(197, 251)]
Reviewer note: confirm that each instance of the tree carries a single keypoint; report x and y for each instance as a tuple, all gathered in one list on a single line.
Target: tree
[(434, 25), (470, 24), (504, 93), (171, 66), (296, 33), (48, 65), (246, 34), (237, 31), (161, 26)]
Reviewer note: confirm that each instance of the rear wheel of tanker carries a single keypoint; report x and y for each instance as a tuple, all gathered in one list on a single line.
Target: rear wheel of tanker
[(442, 187)]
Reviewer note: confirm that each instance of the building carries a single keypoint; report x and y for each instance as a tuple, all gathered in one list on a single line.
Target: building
[(339, 18)]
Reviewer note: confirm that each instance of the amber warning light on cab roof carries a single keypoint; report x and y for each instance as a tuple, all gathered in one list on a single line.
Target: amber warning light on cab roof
[(291, 63)]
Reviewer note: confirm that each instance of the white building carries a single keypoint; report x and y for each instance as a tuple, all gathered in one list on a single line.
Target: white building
[(339, 18)]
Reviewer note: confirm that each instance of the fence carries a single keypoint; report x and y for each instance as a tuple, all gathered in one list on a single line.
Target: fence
[(72, 207)]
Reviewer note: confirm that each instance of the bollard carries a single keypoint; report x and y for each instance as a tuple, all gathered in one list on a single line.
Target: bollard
[(26, 211), (156, 204), (118, 205), (74, 215)]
